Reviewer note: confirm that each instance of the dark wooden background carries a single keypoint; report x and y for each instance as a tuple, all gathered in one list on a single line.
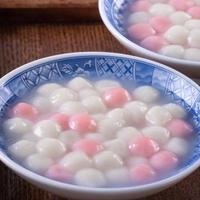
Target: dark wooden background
[(48, 10), (21, 43)]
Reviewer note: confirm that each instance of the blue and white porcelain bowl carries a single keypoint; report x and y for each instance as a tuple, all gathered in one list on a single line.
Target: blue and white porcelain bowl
[(175, 85), (111, 12)]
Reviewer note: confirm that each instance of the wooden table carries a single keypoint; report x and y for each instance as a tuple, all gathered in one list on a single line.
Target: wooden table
[(48, 10), (25, 42)]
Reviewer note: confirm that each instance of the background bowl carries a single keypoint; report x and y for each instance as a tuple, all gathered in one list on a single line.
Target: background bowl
[(111, 12), (99, 65)]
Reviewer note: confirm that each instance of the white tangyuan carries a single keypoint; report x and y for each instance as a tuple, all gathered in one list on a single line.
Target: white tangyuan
[(176, 110), (118, 115), (47, 89), (98, 117), (161, 9), (117, 146), (50, 147), (177, 34), (47, 128), (17, 127), (108, 128), (178, 146), (42, 104), (79, 83), (175, 51), (104, 85), (117, 177), (197, 2), (69, 138), (95, 136), (22, 149), (72, 107), (192, 54), (85, 93), (94, 104), (136, 160), (38, 163), (192, 24), (128, 133), (158, 133), (194, 38), (90, 177), (139, 17), (107, 160), (30, 137), (136, 111), (76, 161), (62, 95), (158, 115), (179, 17), (146, 94)]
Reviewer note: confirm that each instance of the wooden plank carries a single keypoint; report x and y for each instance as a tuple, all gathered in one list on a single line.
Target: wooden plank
[(48, 10), (47, 3)]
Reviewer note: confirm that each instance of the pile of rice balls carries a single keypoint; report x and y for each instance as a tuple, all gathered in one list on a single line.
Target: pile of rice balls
[(98, 134), (168, 27)]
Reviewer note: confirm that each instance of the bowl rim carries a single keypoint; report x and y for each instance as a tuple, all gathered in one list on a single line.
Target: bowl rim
[(19, 169), (137, 48)]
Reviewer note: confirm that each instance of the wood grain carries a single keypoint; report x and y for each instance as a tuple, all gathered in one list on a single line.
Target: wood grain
[(48, 10), (47, 3), (25, 42)]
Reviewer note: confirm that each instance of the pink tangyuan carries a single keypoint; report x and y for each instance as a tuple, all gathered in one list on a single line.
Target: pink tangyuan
[(181, 4), (179, 128), (142, 173), (140, 31), (88, 146), (25, 110), (194, 12), (143, 146), (164, 161), (62, 120), (153, 43), (160, 23), (116, 97), (82, 123), (59, 173)]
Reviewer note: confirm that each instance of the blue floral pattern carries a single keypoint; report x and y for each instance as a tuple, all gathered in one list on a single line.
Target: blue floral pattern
[(175, 86), (114, 10), (116, 68)]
